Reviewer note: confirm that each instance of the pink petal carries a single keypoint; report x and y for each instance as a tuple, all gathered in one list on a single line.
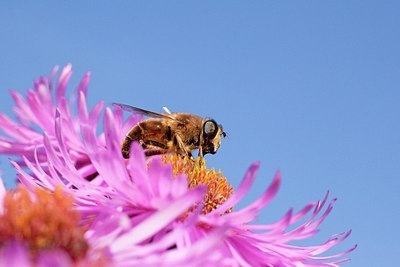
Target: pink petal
[(159, 220), (244, 187)]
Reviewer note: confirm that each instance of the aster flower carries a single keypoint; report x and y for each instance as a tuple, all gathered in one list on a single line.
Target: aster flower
[(42, 228), (157, 211)]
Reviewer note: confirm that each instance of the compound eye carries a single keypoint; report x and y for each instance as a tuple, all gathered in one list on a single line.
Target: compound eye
[(210, 129)]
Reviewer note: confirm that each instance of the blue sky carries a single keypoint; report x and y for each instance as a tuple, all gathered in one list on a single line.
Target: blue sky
[(307, 87)]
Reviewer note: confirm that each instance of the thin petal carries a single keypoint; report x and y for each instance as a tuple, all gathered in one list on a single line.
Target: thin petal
[(158, 220), (244, 187)]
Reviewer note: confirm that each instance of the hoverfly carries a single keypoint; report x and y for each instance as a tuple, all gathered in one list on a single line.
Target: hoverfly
[(172, 132)]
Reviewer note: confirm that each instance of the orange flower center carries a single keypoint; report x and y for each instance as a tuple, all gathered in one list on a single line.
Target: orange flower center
[(219, 190), (44, 221)]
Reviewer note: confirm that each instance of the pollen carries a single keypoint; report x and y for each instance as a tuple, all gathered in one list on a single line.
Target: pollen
[(219, 190), (43, 221)]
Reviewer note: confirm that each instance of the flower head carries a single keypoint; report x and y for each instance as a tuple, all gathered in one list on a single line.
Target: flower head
[(41, 226), (43, 221), (163, 210), (218, 188)]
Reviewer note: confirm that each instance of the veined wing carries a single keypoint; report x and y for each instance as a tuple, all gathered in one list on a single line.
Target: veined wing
[(144, 112)]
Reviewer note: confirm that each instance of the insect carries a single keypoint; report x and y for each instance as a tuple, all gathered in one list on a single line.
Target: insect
[(172, 132)]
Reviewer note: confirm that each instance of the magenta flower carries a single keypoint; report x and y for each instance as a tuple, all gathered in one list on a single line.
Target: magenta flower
[(143, 211), (41, 228)]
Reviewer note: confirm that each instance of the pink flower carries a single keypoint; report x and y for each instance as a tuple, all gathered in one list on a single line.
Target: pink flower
[(137, 211), (41, 228)]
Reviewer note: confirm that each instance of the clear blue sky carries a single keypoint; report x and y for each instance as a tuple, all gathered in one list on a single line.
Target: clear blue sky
[(308, 87)]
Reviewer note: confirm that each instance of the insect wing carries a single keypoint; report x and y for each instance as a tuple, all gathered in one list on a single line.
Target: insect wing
[(144, 112)]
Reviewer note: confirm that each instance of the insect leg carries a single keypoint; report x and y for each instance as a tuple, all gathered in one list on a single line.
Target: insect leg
[(200, 152), (181, 145)]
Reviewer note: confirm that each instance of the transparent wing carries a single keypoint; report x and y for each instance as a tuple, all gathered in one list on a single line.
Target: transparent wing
[(144, 112)]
